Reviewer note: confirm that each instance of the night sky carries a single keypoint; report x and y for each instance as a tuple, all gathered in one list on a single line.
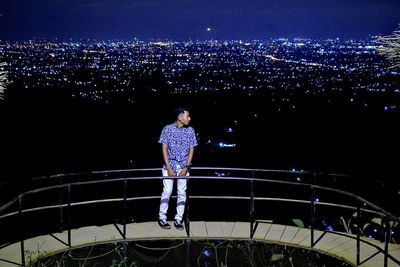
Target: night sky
[(183, 20)]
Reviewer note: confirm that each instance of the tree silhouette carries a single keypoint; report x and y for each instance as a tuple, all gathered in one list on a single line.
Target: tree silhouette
[(389, 46), (3, 79)]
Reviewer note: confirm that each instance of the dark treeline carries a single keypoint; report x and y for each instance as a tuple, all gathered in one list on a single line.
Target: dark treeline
[(43, 135)]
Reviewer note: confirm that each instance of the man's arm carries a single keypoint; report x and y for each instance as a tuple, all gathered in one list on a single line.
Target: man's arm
[(188, 163), (166, 160), (191, 150)]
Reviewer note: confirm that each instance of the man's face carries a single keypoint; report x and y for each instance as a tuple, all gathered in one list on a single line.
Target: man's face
[(184, 118)]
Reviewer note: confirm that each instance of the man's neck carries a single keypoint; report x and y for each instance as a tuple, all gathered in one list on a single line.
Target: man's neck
[(179, 124)]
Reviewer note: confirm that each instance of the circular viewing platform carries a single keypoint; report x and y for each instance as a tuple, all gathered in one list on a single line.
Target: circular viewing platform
[(300, 210)]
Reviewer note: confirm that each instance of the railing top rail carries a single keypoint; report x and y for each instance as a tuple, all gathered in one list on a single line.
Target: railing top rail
[(266, 180), (293, 171), (97, 201)]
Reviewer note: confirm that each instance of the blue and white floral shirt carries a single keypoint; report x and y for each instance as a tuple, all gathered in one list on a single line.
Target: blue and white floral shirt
[(179, 142)]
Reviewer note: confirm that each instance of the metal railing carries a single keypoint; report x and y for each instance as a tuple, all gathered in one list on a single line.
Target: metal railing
[(66, 183)]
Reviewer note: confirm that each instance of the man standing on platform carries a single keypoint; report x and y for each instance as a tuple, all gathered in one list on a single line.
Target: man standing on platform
[(178, 140)]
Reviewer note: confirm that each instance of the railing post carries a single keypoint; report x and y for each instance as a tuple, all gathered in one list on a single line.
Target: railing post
[(252, 207), (61, 205), (187, 208), (315, 178), (312, 215), (312, 209), (69, 214), (358, 232), (387, 240), (20, 219), (125, 209)]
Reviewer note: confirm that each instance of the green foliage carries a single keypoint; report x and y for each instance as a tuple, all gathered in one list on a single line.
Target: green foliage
[(298, 223), (121, 260), (40, 259)]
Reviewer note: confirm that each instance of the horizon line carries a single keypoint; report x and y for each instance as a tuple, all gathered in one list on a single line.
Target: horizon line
[(183, 40)]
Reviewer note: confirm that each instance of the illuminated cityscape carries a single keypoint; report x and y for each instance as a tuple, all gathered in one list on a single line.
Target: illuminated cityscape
[(288, 71)]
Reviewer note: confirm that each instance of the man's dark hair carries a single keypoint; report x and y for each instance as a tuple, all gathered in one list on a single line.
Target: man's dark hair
[(180, 110)]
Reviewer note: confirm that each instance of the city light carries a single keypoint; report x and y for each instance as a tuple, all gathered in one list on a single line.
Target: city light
[(225, 145)]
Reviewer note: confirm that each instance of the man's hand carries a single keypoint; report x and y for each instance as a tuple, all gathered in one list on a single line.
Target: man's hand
[(171, 172), (183, 172)]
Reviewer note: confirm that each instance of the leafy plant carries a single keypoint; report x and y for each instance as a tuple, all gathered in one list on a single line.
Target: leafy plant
[(390, 47), (3, 79)]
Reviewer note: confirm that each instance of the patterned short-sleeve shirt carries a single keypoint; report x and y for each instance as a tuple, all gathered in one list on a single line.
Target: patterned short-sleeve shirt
[(179, 142)]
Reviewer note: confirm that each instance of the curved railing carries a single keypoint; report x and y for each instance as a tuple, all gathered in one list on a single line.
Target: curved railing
[(59, 194)]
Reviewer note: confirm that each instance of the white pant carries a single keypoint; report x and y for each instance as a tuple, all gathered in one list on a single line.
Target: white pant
[(168, 185)]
